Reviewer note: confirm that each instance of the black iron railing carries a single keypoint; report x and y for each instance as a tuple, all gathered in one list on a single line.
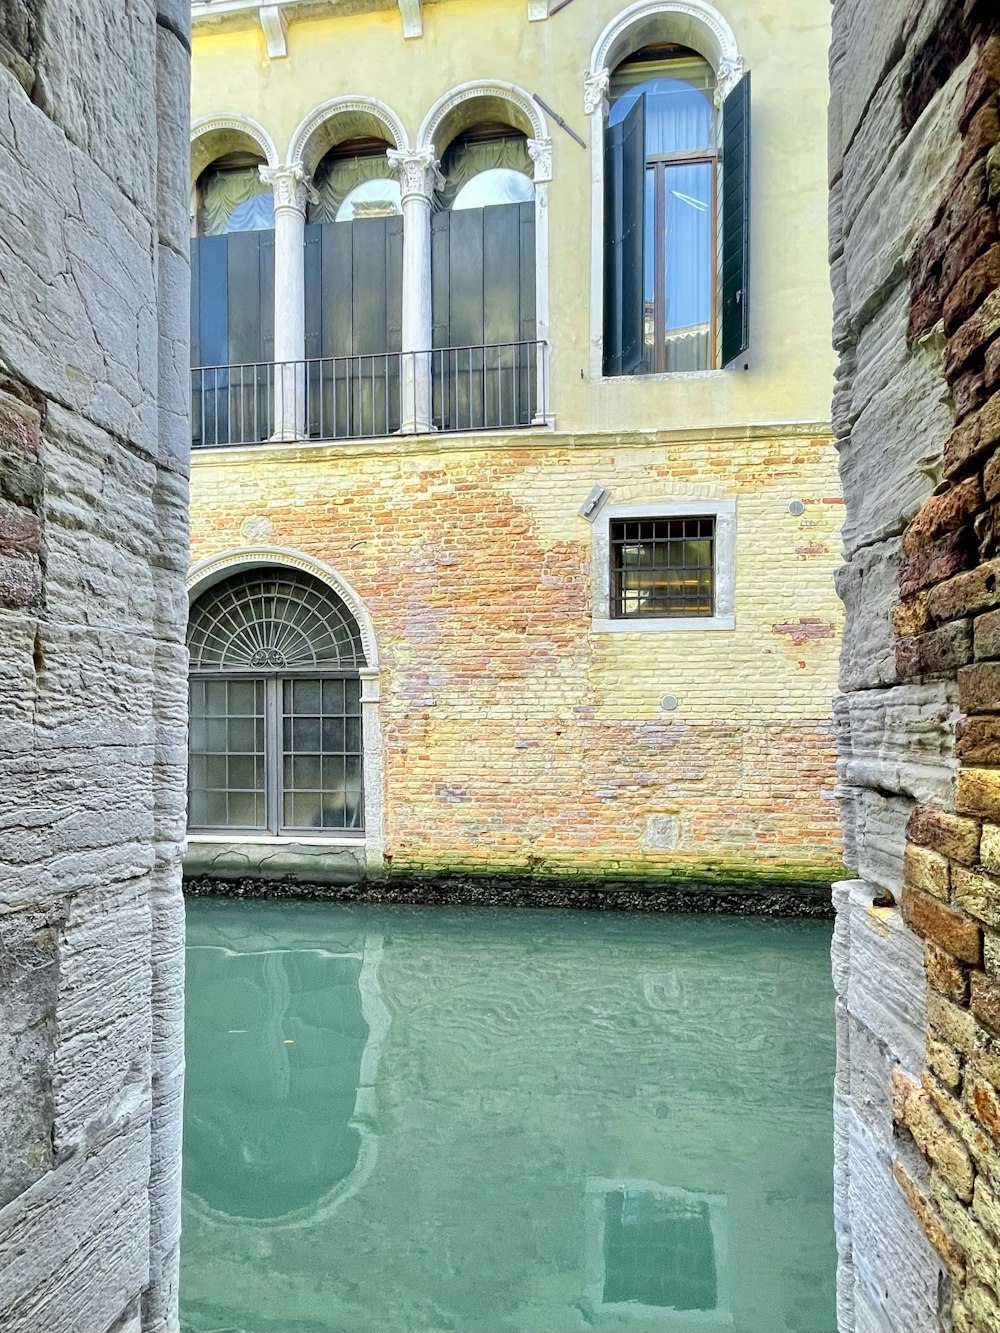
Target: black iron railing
[(493, 386)]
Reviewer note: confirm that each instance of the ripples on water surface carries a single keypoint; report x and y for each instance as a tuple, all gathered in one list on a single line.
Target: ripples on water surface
[(410, 1119)]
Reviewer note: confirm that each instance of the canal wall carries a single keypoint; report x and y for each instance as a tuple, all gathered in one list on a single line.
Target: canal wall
[(915, 190), (93, 464)]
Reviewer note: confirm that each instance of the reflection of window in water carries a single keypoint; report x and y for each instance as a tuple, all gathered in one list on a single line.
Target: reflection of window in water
[(658, 1250), (279, 1066), (655, 1255)]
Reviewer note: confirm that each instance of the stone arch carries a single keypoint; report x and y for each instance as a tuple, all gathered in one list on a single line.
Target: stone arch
[(205, 573), (356, 116), (212, 136), (693, 23), (491, 100)]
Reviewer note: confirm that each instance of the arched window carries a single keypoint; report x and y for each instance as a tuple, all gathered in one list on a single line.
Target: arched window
[(666, 97), (676, 263), (354, 290), (232, 302), (483, 260), (275, 740), (354, 180)]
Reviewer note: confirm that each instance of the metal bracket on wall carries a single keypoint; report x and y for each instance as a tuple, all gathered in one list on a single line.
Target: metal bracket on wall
[(559, 120)]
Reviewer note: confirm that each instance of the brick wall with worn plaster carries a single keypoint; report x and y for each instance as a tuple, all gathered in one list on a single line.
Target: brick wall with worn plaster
[(517, 738)]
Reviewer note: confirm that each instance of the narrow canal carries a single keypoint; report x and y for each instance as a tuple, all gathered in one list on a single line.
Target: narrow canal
[(410, 1119)]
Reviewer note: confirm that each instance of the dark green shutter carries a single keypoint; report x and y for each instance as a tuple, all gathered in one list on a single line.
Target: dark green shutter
[(624, 228), (483, 292), (736, 222)]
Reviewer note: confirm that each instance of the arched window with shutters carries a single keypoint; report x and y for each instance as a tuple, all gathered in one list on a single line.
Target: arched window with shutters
[(275, 705), (671, 104), (232, 288), (353, 285)]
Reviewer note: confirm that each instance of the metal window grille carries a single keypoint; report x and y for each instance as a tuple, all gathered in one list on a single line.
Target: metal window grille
[(276, 734), (281, 621), (662, 567)]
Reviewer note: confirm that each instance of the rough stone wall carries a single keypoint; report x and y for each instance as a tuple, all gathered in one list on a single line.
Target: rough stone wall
[(915, 172), (93, 462), (516, 738)]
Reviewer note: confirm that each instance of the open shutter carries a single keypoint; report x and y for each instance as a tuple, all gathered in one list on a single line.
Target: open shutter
[(624, 218), (736, 222)]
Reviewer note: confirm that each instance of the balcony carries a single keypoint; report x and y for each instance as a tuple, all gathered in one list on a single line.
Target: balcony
[(498, 386)]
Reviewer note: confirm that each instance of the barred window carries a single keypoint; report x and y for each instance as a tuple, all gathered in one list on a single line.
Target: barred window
[(276, 736), (662, 567)]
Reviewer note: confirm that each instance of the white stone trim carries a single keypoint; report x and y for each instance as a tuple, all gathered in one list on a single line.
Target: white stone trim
[(724, 572), (205, 573), (537, 10), (466, 92), (275, 27), (239, 124), (704, 29), (699, 25), (413, 22), (338, 106)]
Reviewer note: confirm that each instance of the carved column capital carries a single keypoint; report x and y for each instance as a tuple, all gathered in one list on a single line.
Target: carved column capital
[(418, 170), (540, 152), (728, 75), (595, 91), (290, 186)]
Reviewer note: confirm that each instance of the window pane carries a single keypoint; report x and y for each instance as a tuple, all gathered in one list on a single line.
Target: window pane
[(498, 185), (688, 276), (663, 567), (322, 767), (226, 754)]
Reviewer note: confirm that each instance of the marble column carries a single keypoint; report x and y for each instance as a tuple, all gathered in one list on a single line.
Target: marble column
[(418, 178), (540, 152), (291, 194)]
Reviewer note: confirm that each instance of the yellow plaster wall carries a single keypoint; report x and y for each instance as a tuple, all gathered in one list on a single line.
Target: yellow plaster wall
[(784, 44)]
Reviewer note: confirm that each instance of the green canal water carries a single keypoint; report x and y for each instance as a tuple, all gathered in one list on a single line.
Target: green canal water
[(410, 1119)]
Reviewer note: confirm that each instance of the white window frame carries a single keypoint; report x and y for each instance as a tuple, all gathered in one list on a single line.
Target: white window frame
[(723, 567)]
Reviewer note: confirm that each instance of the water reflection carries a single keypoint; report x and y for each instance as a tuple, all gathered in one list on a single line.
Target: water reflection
[(412, 1119)]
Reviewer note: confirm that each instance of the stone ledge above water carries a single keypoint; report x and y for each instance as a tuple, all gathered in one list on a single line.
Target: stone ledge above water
[(760, 897)]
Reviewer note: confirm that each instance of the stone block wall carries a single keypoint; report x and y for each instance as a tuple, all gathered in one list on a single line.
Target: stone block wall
[(915, 194), (93, 480)]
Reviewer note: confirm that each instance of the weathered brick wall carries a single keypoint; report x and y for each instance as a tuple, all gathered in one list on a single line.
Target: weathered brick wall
[(515, 737), (916, 263), (93, 461)]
